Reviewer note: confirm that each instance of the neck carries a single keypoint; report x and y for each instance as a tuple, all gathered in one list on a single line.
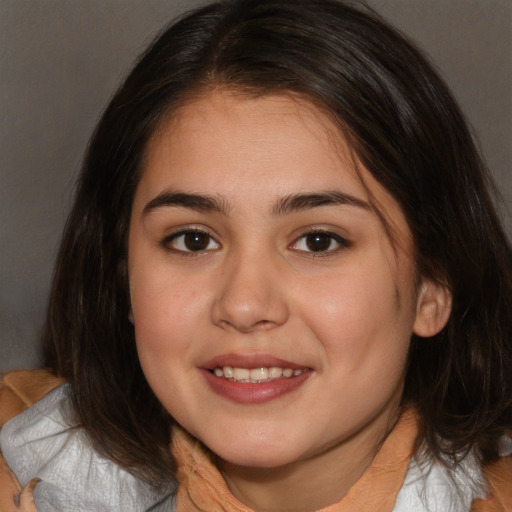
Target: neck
[(314, 482)]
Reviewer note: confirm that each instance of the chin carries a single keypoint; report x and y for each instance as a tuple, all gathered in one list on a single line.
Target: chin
[(256, 461), (255, 455)]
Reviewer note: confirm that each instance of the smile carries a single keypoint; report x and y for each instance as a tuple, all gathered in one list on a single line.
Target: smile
[(256, 375), (243, 379)]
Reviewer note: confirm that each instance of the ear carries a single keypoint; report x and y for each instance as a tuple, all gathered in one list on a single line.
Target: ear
[(433, 308)]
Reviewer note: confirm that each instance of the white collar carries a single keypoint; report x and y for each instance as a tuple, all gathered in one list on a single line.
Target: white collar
[(434, 487), (39, 443)]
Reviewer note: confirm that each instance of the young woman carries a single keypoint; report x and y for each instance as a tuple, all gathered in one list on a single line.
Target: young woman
[(283, 285)]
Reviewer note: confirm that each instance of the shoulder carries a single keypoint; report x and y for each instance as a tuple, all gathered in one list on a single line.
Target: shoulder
[(430, 485), (21, 389), (42, 443), (469, 487), (498, 476), (18, 391)]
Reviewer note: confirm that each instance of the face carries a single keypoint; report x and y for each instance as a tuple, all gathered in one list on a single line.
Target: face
[(272, 312)]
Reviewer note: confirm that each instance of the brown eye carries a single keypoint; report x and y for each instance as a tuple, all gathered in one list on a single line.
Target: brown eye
[(320, 242), (191, 241), (196, 241)]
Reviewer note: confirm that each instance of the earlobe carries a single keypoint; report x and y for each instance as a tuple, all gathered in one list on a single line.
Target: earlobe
[(433, 309)]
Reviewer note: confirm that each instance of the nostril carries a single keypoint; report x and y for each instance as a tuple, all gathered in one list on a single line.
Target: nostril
[(248, 302), (248, 327), (264, 324)]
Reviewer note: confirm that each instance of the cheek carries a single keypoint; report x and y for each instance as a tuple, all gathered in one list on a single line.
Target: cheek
[(359, 318), (166, 308), (167, 322)]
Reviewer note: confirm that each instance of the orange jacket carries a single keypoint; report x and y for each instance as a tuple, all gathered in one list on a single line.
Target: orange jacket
[(19, 391), (23, 388)]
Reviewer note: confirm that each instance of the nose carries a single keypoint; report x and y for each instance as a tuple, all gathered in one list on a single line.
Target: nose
[(252, 295)]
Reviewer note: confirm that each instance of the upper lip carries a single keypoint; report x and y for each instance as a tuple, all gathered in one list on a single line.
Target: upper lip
[(250, 361)]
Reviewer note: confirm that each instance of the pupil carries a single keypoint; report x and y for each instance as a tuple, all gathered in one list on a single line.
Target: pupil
[(196, 241), (318, 242)]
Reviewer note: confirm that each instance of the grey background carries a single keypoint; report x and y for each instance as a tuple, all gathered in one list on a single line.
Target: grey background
[(60, 61)]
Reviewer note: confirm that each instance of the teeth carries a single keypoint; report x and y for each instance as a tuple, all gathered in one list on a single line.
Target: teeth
[(255, 374), (241, 373), (274, 372), (259, 374)]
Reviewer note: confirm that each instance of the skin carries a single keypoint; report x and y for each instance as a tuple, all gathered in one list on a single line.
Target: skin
[(13, 498), (344, 313)]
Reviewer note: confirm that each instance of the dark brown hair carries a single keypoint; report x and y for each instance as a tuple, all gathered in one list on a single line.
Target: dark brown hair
[(406, 129)]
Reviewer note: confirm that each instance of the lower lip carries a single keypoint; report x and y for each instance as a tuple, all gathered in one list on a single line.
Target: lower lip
[(254, 393)]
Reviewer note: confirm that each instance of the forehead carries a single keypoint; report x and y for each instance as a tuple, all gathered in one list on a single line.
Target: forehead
[(250, 132), (256, 148)]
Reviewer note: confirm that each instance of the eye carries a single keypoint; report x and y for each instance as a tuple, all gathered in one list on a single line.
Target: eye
[(320, 242), (191, 241)]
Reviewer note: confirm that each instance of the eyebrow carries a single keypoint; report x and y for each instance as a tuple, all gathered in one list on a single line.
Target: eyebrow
[(288, 204), (300, 202), (198, 202)]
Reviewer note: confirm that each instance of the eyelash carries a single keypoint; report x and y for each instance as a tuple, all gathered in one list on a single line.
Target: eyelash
[(183, 233), (328, 236)]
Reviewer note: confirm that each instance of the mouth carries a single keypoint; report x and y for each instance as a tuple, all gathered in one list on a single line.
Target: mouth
[(253, 379), (256, 375)]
